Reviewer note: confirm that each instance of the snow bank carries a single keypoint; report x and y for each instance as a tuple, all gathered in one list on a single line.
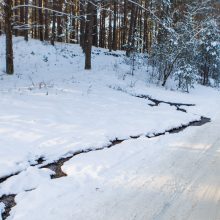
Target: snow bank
[(51, 107)]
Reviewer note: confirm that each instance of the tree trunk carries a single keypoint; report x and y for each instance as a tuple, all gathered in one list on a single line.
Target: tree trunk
[(46, 21), (102, 28), (21, 24), (88, 34), (124, 33), (16, 18), (73, 24), (0, 28), (114, 43), (145, 34), (95, 28), (41, 21), (59, 22), (26, 21), (82, 24), (110, 30), (8, 33), (53, 34), (132, 30), (35, 20)]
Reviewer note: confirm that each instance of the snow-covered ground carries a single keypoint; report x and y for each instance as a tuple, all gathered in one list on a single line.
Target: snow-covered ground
[(170, 177), (52, 108)]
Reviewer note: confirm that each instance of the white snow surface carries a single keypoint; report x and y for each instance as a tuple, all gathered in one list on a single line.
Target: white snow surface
[(27, 180), (170, 177), (2, 207), (79, 111), (51, 108)]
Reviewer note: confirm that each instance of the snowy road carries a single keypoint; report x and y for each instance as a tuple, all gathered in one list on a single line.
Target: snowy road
[(180, 181), (170, 177)]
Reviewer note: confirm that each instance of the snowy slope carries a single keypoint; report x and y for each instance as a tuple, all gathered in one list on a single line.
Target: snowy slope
[(52, 108)]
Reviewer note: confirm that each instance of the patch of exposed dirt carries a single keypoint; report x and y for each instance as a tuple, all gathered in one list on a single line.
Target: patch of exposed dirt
[(56, 167), (38, 162), (201, 122), (157, 102), (9, 202), (4, 178)]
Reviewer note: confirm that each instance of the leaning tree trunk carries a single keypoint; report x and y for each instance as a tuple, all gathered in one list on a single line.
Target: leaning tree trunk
[(8, 33), (88, 34)]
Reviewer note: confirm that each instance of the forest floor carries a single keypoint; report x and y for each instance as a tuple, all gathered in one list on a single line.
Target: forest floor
[(103, 144)]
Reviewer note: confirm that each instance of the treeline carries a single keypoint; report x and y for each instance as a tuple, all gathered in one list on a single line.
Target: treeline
[(180, 38)]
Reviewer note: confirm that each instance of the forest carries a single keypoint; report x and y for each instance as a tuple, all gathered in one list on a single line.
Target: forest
[(109, 109), (178, 38)]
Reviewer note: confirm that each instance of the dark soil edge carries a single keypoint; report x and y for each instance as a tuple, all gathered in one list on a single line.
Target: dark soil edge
[(9, 201), (56, 166)]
